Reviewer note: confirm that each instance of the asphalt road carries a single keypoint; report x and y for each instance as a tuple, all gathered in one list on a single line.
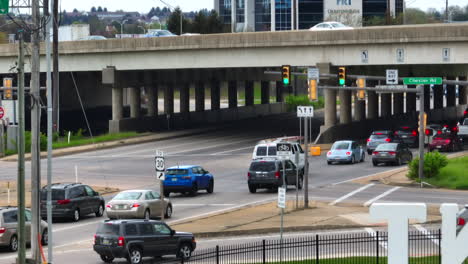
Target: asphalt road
[(226, 154)]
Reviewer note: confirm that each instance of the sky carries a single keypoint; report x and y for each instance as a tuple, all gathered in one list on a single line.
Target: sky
[(144, 6)]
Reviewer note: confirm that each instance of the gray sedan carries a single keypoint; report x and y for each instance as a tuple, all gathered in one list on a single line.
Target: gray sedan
[(138, 204), (346, 151)]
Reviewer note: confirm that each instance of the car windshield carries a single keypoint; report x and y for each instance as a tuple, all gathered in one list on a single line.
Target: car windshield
[(176, 172), (337, 25), (57, 194), (386, 147), (165, 33), (261, 151), (108, 229), (262, 166), (340, 145), (128, 196)]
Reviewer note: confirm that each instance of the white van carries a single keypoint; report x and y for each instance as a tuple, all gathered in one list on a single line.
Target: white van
[(268, 150)]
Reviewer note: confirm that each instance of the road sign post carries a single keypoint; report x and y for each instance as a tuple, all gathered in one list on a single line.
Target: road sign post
[(420, 89), (160, 167)]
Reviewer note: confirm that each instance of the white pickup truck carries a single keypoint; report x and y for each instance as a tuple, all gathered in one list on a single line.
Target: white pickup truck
[(463, 130)]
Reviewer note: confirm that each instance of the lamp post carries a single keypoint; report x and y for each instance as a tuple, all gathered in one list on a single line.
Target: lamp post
[(173, 9), (121, 27), (144, 30)]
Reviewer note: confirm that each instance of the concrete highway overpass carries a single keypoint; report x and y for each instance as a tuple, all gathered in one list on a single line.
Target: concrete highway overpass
[(236, 61)]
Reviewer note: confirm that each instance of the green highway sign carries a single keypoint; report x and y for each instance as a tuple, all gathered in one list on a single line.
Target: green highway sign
[(422, 80), (4, 6)]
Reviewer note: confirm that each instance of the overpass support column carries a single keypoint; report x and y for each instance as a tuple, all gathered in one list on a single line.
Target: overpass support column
[(151, 94), (385, 105), (345, 107), (232, 94), (279, 92), (427, 97), (169, 99), (359, 108), (438, 97), (398, 103), (265, 92), (411, 100), (215, 94), (117, 102), (330, 108), (135, 102), (462, 92), (372, 103), (451, 95), (249, 93), (199, 96)]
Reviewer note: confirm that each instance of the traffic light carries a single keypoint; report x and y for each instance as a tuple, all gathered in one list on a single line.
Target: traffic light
[(424, 121), (313, 90), (361, 83), (7, 88), (342, 76), (286, 74)]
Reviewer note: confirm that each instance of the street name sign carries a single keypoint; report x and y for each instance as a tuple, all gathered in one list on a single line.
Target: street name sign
[(4, 6), (305, 111), (160, 165), (392, 77), (282, 197), (422, 80), (2, 112), (283, 149)]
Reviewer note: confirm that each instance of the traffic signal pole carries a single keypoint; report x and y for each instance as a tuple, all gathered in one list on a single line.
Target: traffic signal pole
[(420, 90)]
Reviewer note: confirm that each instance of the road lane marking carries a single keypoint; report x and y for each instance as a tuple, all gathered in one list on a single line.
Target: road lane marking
[(370, 175), (214, 146), (232, 150), (381, 242), (380, 196), (428, 234), (351, 193)]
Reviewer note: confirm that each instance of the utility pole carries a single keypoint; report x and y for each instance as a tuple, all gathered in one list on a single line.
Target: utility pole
[(306, 163), (35, 132), (420, 89), (446, 12), (55, 81), (21, 174)]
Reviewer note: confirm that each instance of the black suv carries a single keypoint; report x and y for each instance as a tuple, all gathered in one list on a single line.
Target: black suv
[(379, 137), (269, 174), (135, 239), (72, 200)]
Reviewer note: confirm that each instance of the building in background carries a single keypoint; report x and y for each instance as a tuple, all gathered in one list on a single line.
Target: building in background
[(260, 15)]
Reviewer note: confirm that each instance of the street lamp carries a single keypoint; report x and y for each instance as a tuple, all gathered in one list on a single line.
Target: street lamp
[(121, 27), (144, 30), (181, 14)]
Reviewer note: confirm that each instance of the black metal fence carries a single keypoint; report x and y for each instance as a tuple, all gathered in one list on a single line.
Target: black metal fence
[(353, 248)]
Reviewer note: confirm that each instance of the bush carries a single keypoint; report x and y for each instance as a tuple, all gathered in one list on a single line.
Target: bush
[(293, 101), (433, 162)]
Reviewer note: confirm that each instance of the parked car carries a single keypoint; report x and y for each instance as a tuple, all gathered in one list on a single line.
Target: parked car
[(446, 142), (331, 25), (408, 135), (72, 200), (462, 218), (267, 149), (346, 151), (380, 137), (159, 33), (392, 153), (268, 173), (9, 228), (463, 130), (188, 179), (145, 204), (135, 239)]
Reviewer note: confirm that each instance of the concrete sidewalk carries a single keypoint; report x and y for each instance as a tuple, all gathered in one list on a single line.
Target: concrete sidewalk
[(265, 218)]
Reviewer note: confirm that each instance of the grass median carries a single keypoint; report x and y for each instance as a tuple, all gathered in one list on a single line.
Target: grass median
[(452, 176)]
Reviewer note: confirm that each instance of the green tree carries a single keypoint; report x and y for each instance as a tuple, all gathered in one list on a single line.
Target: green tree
[(173, 22), (93, 9), (99, 9), (105, 9), (214, 22)]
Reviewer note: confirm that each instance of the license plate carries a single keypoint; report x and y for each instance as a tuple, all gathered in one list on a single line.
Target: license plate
[(174, 179), (106, 242), (121, 206), (384, 154), (439, 147), (404, 136)]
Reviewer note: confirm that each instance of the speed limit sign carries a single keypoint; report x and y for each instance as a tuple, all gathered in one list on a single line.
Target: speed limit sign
[(159, 165)]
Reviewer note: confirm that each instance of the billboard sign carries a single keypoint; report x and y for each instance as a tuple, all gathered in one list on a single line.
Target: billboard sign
[(348, 12)]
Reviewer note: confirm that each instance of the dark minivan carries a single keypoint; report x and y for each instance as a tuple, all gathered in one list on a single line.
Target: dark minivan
[(269, 174), (72, 200), (135, 239), (380, 137)]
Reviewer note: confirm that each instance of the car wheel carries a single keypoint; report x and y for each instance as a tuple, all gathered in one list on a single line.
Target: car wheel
[(329, 162), (300, 183), (363, 158), (353, 160), (398, 161), (76, 215), (369, 152), (185, 251), (107, 259), (210, 187), (375, 163), (147, 214), (100, 211), (135, 255), (168, 213), (13, 247), (194, 190), (252, 189), (45, 238), (167, 193)]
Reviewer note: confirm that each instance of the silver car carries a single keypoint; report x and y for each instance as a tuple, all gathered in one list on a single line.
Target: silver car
[(9, 226), (345, 151), (138, 204)]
